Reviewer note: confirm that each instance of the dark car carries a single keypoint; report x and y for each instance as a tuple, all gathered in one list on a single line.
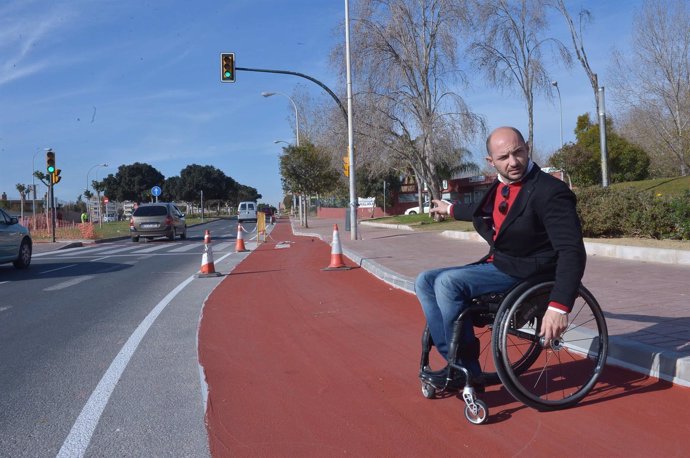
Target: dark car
[(157, 220), (15, 242)]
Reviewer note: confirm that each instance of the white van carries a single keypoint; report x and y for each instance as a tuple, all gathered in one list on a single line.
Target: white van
[(246, 211)]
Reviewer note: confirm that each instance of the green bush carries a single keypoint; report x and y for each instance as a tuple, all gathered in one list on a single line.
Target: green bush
[(627, 212)]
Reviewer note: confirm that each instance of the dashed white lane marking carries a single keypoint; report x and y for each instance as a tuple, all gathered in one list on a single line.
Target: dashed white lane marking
[(79, 437), (68, 283), (2, 309), (59, 268)]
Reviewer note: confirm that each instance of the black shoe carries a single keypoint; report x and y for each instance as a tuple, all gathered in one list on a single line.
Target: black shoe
[(439, 379)]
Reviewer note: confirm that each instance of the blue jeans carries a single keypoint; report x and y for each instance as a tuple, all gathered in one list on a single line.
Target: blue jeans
[(446, 292)]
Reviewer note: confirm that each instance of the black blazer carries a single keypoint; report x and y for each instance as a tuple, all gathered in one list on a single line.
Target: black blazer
[(540, 235)]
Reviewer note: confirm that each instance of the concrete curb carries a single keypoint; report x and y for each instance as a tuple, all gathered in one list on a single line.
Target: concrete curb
[(632, 253), (641, 358)]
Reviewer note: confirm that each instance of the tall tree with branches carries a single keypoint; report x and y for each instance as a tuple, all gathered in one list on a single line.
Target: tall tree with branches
[(406, 58), (577, 37), (653, 80), (509, 47)]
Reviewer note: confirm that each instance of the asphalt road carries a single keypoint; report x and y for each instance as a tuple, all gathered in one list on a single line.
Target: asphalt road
[(98, 348)]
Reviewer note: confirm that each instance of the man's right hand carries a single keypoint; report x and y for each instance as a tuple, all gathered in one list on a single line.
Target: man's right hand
[(439, 207)]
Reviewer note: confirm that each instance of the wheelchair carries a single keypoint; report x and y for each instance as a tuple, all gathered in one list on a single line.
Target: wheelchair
[(542, 375)]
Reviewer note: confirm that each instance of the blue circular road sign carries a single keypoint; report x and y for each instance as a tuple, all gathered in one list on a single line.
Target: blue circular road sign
[(156, 191)]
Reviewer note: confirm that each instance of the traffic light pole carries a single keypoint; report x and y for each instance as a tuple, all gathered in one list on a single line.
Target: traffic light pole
[(302, 75), (52, 209), (350, 135)]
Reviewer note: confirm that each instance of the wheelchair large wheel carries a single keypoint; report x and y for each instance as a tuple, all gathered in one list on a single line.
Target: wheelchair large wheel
[(486, 354), (562, 373)]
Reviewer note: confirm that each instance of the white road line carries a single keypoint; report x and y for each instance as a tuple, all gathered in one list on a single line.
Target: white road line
[(222, 246), (59, 268), (120, 250), (81, 250), (2, 309), (79, 437), (149, 250), (184, 248), (68, 283)]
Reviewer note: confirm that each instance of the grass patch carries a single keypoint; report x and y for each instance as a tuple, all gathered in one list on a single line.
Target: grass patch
[(675, 186), (425, 223)]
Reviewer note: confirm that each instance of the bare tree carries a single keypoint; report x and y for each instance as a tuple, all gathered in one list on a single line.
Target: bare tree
[(508, 47), (577, 37), (654, 81), (405, 56)]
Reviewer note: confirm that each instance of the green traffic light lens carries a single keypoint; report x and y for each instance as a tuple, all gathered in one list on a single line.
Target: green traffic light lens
[(51, 169), (228, 74)]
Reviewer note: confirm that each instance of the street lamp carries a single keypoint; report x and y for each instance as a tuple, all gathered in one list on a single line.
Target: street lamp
[(294, 105), (560, 104), (87, 173), (99, 196)]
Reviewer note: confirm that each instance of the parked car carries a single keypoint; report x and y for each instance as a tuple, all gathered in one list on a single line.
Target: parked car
[(15, 242), (415, 210), (246, 211), (157, 220)]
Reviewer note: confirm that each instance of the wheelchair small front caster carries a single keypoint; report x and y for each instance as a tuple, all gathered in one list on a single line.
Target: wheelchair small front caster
[(476, 410), (477, 413), (428, 390)]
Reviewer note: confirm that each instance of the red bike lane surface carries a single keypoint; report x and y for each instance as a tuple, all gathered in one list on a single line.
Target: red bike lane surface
[(303, 362)]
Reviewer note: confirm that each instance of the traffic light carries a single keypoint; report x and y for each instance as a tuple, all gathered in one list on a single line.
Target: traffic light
[(50, 161), (55, 176), (227, 67), (346, 166)]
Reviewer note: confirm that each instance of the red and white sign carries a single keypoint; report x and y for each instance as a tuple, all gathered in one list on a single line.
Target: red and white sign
[(105, 200)]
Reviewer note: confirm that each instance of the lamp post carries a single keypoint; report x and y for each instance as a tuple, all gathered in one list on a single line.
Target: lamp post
[(294, 105), (33, 186), (99, 193), (602, 140), (560, 105), (294, 197), (350, 129)]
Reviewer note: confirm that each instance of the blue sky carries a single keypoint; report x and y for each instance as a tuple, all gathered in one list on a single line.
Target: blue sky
[(117, 82)]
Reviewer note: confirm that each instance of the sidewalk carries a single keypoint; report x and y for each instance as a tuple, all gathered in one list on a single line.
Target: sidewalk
[(646, 301)]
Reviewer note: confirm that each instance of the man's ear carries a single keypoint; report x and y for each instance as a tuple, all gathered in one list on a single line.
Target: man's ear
[(490, 161)]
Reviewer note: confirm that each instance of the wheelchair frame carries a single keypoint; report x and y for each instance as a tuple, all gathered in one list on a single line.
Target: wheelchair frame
[(523, 362)]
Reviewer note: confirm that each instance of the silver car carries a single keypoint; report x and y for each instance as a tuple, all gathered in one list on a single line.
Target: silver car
[(157, 220), (15, 242)]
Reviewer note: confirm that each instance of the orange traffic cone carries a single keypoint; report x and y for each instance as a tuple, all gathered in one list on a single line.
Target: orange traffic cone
[(239, 244), (207, 267), (336, 253)]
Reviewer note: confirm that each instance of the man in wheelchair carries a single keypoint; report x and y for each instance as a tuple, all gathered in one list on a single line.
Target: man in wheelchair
[(529, 220)]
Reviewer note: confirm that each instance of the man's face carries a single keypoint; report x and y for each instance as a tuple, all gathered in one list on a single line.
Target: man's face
[(508, 155)]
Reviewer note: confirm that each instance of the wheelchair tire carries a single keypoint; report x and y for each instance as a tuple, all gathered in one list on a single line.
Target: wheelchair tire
[(480, 416), (558, 376), (487, 359), (428, 390)]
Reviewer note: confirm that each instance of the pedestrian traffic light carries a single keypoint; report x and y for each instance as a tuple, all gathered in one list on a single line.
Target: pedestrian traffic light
[(55, 176), (50, 161), (346, 166), (227, 67)]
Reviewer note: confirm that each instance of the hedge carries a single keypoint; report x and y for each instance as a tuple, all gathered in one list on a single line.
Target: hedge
[(627, 212)]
